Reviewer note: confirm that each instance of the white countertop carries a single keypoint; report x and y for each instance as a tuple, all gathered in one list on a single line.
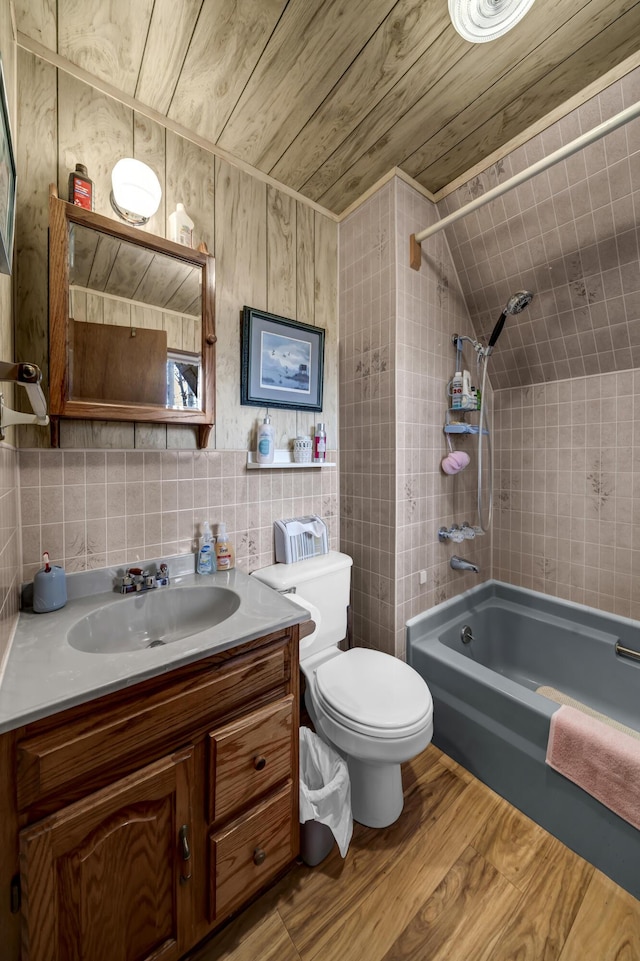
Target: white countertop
[(44, 674)]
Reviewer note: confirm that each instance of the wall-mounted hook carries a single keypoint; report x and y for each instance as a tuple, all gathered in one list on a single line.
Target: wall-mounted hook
[(29, 377)]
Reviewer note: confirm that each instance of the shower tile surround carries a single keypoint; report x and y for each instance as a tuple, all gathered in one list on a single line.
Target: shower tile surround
[(566, 520), (567, 490), (396, 358), (565, 371), (570, 235)]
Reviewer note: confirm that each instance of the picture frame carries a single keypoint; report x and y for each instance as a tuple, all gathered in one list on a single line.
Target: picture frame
[(282, 362), (7, 182)]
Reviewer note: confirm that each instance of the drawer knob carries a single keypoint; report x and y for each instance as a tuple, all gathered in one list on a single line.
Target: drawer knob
[(259, 855), (259, 762)]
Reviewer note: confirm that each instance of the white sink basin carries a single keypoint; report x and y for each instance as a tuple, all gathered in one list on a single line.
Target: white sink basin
[(152, 619)]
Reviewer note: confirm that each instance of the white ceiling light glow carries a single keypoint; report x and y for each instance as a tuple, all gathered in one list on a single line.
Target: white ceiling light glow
[(135, 191), (482, 20)]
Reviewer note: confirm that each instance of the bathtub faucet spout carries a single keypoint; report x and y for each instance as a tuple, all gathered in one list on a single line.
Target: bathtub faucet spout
[(460, 564)]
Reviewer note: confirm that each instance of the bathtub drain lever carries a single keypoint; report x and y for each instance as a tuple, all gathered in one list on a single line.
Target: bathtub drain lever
[(466, 634)]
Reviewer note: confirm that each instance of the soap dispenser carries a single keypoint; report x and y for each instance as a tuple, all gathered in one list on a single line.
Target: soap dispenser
[(49, 588), (266, 436)]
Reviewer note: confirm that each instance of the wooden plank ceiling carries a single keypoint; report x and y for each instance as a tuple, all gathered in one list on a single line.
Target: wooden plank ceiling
[(327, 95)]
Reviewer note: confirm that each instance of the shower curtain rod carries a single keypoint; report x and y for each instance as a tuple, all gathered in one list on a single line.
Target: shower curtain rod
[(578, 144)]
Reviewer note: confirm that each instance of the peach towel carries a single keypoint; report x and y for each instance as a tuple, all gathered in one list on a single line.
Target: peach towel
[(602, 761)]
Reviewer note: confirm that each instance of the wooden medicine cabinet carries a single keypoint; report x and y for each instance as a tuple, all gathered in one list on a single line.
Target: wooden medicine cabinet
[(131, 324)]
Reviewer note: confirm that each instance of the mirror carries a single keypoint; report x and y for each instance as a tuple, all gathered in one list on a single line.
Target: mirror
[(131, 324)]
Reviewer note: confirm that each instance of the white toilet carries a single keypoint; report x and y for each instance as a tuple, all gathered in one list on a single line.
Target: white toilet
[(373, 708)]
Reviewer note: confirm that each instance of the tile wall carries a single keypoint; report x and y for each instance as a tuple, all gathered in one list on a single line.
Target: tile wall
[(395, 362), (10, 561), (570, 235), (367, 394), (430, 309), (568, 490), (9, 547), (93, 509), (567, 428)]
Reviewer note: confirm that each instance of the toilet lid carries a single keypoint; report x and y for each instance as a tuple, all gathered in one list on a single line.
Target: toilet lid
[(368, 689)]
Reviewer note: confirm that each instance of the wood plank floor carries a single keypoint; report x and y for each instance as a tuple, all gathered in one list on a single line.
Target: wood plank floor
[(461, 876)]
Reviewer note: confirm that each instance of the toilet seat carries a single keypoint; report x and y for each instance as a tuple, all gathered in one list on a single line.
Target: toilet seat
[(374, 694)]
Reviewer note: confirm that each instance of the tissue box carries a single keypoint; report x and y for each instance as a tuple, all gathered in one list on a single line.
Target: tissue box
[(299, 538)]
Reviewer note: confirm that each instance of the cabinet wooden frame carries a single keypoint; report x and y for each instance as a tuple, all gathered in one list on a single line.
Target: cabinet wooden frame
[(61, 404), (214, 741)]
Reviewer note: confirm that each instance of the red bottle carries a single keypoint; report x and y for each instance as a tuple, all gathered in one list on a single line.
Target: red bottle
[(81, 188)]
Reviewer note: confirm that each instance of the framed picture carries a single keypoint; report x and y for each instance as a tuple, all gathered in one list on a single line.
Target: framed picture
[(282, 362), (7, 182)]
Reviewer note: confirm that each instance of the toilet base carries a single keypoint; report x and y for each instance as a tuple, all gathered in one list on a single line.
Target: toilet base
[(376, 792)]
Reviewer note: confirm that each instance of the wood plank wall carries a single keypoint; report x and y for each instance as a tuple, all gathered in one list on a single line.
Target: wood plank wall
[(272, 251)]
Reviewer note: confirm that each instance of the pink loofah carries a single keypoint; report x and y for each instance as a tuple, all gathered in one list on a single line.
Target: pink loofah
[(454, 462)]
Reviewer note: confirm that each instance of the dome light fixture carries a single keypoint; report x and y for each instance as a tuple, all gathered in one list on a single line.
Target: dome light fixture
[(135, 191), (482, 20)]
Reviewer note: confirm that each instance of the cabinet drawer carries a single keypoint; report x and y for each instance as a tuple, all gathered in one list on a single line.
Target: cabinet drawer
[(79, 750), (249, 757), (250, 852)]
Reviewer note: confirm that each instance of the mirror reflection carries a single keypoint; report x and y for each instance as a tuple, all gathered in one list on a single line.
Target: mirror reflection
[(135, 323)]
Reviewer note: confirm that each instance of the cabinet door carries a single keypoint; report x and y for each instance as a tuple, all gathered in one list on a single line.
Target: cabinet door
[(107, 878)]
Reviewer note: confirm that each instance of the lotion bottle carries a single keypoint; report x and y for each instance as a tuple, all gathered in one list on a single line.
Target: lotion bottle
[(266, 435), (206, 555), (225, 554), (180, 227)]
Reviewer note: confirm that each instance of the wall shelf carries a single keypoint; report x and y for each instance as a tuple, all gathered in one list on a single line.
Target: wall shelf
[(282, 459)]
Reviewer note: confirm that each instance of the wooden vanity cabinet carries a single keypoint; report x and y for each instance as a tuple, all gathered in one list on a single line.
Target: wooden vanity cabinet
[(141, 820)]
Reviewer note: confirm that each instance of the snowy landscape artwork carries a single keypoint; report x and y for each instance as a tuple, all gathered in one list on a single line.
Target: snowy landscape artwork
[(285, 362)]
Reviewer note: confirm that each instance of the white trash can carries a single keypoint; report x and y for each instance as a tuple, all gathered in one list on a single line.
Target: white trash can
[(325, 799)]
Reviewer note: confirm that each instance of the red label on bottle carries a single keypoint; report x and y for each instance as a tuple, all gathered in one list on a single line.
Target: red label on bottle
[(82, 194), (319, 448)]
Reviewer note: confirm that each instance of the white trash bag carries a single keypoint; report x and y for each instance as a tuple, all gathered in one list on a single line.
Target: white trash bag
[(325, 789)]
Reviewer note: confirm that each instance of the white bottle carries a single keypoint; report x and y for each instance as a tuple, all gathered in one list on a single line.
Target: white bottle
[(206, 555), (266, 436), (180, 227), (456, 391), (467, 402)]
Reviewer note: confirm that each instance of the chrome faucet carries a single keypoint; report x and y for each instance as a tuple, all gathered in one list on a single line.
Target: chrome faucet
[(460, 564), (136, 579)]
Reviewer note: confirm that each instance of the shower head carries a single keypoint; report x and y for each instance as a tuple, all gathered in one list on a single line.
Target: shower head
[(515, 305)]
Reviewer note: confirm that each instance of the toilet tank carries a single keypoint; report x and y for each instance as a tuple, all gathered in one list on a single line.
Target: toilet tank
[(323, 581)]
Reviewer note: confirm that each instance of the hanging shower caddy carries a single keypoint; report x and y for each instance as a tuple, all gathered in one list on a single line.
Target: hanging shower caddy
[(452, 423)]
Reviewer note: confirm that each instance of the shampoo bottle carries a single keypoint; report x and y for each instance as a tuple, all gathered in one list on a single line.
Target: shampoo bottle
[(456, 391), (206, 555), (266, 434), (225, 554), (180, 227), (468, 403)]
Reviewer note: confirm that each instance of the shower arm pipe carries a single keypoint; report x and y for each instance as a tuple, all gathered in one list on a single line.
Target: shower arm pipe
[(608, 126)]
